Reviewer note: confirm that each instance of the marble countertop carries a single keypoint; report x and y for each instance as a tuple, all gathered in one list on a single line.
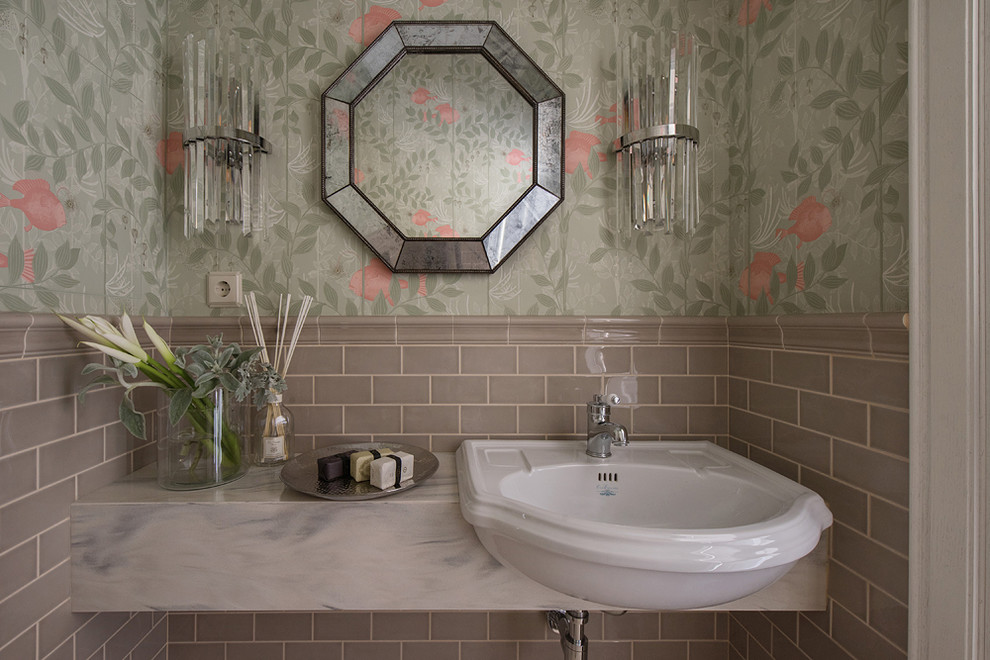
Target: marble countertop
[(257, 545)]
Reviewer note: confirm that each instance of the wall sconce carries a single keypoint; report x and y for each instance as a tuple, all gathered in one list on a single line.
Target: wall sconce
[(657, 155), (222, 137)]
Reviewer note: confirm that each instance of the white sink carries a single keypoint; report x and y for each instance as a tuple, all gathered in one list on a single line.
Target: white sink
[(658, 525)]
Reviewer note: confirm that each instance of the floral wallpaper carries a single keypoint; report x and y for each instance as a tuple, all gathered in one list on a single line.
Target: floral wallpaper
[(803, 161), (81, 174)]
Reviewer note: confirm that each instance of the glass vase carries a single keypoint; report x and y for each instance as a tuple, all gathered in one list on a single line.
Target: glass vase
[(207, 447), (272, 430)]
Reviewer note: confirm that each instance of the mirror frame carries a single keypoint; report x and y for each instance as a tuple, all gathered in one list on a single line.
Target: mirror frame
[(483, 254)]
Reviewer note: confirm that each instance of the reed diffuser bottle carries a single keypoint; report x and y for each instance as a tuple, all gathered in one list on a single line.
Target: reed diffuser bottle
[(273, 429)]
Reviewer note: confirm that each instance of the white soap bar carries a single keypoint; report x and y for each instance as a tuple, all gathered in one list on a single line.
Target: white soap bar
[(383, 470), (361, 462)]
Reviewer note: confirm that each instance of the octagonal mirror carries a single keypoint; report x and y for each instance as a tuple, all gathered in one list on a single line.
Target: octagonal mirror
[(442, 146)]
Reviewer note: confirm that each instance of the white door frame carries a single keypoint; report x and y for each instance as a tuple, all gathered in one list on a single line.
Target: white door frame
[(950, 309)]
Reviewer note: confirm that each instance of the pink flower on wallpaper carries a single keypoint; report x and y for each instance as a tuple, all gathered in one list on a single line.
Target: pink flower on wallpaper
[(518, 157), (169, 152), (750, 11), (27, 274), (366, 29), (799, 283), (577, 151), (422, 217), (376, 278), (602, 119), (756, 276), (447, 113), (430, 3), (811, 220), (445, 231), (422, 95), (39, 204)]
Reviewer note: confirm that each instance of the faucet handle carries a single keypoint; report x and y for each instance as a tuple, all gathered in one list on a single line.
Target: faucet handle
[(604, 400)]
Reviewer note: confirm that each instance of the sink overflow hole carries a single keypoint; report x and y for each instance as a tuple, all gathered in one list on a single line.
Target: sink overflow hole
[(608, 476)]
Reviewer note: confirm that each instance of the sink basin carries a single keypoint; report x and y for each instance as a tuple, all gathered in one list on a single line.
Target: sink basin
[(658, 525)]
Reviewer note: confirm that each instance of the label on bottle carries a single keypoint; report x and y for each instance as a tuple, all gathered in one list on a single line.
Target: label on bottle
[(274, 447)]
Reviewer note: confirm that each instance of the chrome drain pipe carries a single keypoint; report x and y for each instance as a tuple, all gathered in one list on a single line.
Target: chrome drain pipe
[(569, 624)]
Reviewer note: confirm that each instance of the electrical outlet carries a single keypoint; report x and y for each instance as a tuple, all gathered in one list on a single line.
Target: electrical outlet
[(223, 289)]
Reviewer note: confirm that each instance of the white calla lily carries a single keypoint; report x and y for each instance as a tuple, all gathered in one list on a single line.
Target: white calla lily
[(84, 330), (113, 352), (127, 328), (159, 344)]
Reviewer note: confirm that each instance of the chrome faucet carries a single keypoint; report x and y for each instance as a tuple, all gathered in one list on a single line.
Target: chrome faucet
[(602, 432)]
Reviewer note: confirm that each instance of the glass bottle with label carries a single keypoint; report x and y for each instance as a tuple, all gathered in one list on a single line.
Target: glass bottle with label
[(273, 430)]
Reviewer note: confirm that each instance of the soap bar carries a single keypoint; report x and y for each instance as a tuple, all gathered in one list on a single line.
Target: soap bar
[(391, 470), (361, 463), (330, 467)]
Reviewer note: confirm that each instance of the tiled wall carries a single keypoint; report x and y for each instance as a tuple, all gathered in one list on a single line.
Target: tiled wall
[(827, 406), (822, 400), (54, 449)]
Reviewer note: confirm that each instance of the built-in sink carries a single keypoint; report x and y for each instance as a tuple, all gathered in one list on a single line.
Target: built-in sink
[(658, 525)]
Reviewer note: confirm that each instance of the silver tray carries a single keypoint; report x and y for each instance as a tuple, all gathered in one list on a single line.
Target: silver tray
[(300, 473)]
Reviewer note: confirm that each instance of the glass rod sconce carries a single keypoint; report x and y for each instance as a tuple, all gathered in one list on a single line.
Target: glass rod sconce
[(222, 138), (657, 155)]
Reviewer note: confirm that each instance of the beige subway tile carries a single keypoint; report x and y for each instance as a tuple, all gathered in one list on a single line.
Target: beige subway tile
[(624, 330), (872, 471), (633, 625), (153, 646), (430, 360), (517, 625), (224, 626), (114, 469), (572, 389), (844, 333), (424, 329), (750, 363), (53, 546), (35, 424), (317, 361), (401, 389), (888, 334), (786, 622), (99, 408), (19, 383), (546, 419), (739, 393), (659, 360), (750, 428), (687, 625), (889, 524), (357, 329), (458, 625), (18, 567), (517, 389), (372, 419), (24, 646), (661, 650), (283, 626), (488, 420), (196, 651), (708, 650), (889, 430), (342, 389), (889, 618), (722, 390), (372, 650), (693, 330), (816, 643), (775, 462), (546, 360), (848, 504), (488, 359), (34, 513), (877, 381), (400, 625), (255, 650), (459, 389), (430, 419), (833, 416), (126, 640), (708, 360), (64, 458), (634, 390), (761, 331), (342, 625), (18, 475), (708, 420), (430, 650), (662, 420), (372, 360), (24, 608), (181, 627), (802, 446), (603, 360), (299, 390), (320, 419), (687, 389), (880, 566), (853, 633), (808, 371), (848, 589), (311, 650)]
